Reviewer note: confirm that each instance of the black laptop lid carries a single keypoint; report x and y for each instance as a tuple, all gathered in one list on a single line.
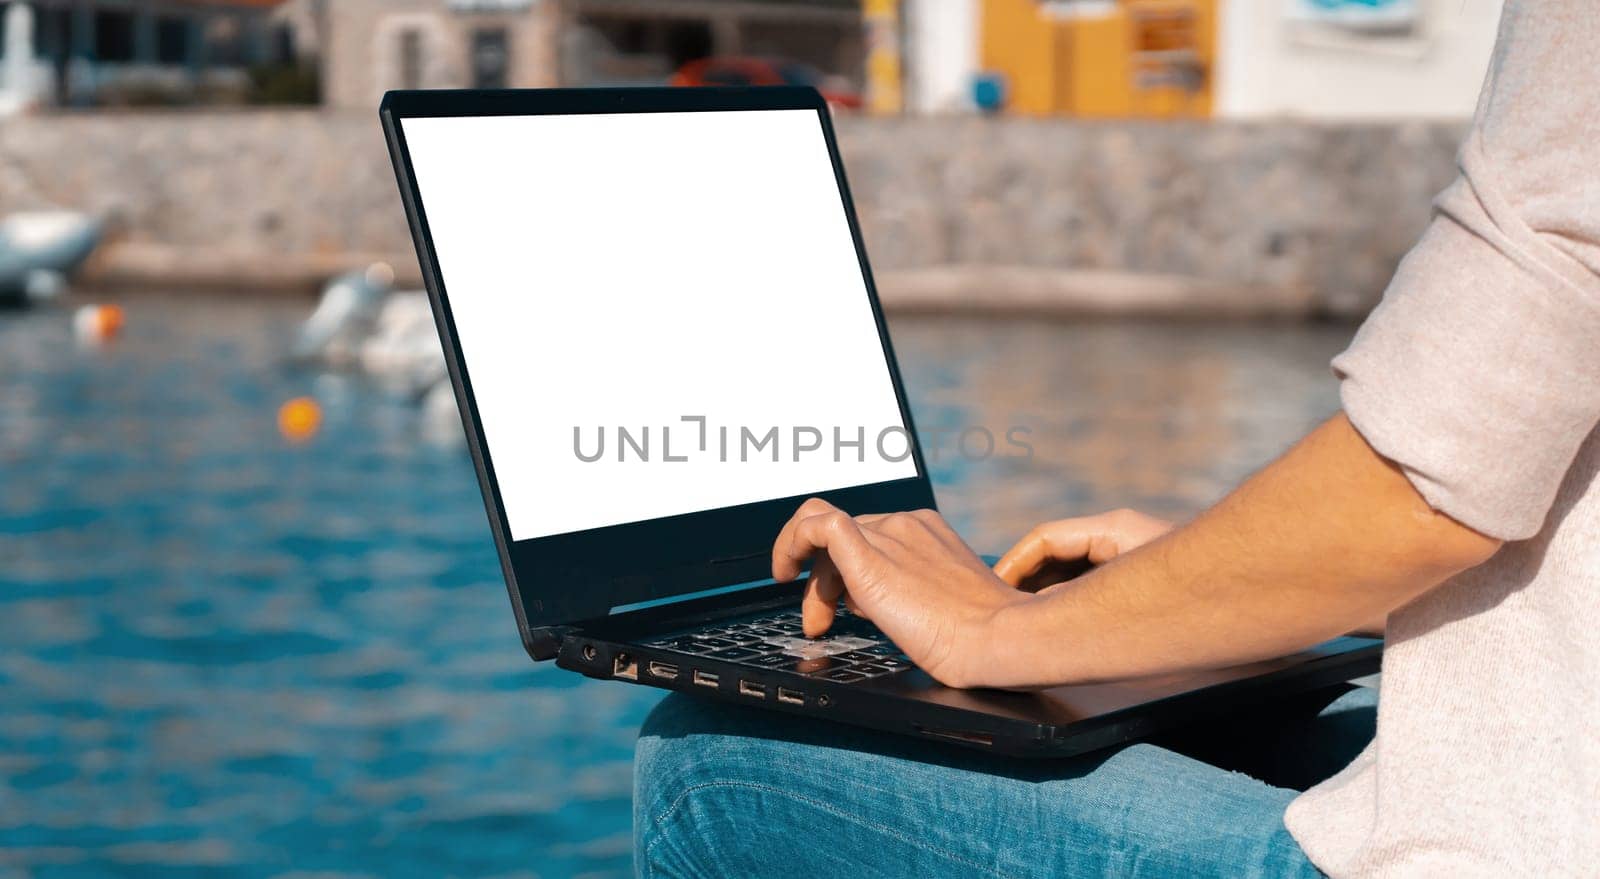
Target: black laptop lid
[(661, 328)]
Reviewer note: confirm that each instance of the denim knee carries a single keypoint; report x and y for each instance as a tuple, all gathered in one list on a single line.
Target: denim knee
[(725, 790), (677, 754)]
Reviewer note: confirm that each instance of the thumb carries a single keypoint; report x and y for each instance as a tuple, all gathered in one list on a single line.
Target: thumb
[(1095, 538)]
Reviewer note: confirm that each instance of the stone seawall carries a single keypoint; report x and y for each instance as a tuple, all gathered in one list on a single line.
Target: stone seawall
[(1054, 215)]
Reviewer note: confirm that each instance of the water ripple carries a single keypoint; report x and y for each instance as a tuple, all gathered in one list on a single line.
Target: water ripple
[(223, 655)]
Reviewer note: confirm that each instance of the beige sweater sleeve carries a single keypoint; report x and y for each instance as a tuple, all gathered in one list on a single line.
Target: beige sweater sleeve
[(1479, 373)]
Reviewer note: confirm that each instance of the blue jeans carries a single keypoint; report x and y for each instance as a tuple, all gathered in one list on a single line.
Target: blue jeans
[(725, 790)]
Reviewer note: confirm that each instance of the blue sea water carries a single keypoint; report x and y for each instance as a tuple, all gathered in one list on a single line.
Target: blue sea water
[(224, 654)]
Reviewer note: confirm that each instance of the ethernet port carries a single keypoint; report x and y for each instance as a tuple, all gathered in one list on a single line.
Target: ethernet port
[(624, 666)]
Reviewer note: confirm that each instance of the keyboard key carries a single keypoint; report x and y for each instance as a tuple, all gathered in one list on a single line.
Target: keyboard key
[(894, 663), (859, 656), (712, 643), (844, 676), (872, 669), (814, 665), (770, 660), (735, 653), (883, 650), (813, 649)]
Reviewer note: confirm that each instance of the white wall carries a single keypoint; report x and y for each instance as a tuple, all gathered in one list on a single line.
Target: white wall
[(941, 54), (1271, 64)]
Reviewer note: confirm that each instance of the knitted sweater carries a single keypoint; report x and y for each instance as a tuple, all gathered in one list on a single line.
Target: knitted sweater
[(1479, 375)]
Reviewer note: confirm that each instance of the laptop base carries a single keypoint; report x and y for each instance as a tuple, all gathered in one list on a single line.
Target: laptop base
[(839, 683)]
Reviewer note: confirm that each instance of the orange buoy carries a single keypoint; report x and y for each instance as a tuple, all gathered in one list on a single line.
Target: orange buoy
[(299, 419), (98, 323)]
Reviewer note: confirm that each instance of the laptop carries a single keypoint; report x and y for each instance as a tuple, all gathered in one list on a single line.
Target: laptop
[(663, 336)]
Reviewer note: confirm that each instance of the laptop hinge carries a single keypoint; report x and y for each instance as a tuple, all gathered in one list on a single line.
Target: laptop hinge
[(544, 643)]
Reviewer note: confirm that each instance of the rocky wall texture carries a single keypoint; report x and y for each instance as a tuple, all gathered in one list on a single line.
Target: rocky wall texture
[(1311, 217)]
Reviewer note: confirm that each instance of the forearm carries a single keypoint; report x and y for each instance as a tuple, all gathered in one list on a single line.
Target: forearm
[(1327, 539)]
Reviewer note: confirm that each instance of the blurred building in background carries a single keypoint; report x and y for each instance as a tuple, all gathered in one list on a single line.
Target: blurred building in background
[(1353, 59), (371, 46), (374, 45), (82, 52), (1318, 59), (1103, 58), (1354, 110), (1326, 59)]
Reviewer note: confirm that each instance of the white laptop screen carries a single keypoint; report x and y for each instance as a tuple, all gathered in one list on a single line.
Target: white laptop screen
[(659, 313)]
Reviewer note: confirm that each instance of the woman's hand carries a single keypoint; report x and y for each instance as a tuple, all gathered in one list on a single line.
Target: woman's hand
[(1044, 556), (909, 573)]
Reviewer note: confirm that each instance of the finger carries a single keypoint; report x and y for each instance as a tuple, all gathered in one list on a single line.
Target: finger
[(834, 534), (823, 590), (1056, 541), (1024, 559), (784, 566), (842, 551), (850, 602)]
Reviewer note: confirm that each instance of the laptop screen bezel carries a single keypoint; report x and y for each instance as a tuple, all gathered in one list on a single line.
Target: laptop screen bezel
[(573, 577)]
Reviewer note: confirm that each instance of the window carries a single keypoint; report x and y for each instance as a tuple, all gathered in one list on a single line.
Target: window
[(113, 36), (50, 30), (283, 44), (411, 59), (172, 40), (491, 59)]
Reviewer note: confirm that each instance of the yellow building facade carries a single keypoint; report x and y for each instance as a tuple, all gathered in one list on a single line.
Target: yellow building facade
[(1102, 58)]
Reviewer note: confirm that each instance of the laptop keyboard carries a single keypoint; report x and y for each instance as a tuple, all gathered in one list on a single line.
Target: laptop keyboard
[(853, 650)]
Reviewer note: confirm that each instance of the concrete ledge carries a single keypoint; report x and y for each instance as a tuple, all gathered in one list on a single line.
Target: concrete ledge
[(167, 269), (1025, 290), (950, 289)]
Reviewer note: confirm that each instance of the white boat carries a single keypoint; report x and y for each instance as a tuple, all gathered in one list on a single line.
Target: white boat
[(40, 251), (363, 324)]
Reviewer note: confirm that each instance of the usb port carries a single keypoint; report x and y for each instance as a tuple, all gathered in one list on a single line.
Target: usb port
[(664, 670), (623, 666), (704, 679), (753, 689), (791, 697)]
